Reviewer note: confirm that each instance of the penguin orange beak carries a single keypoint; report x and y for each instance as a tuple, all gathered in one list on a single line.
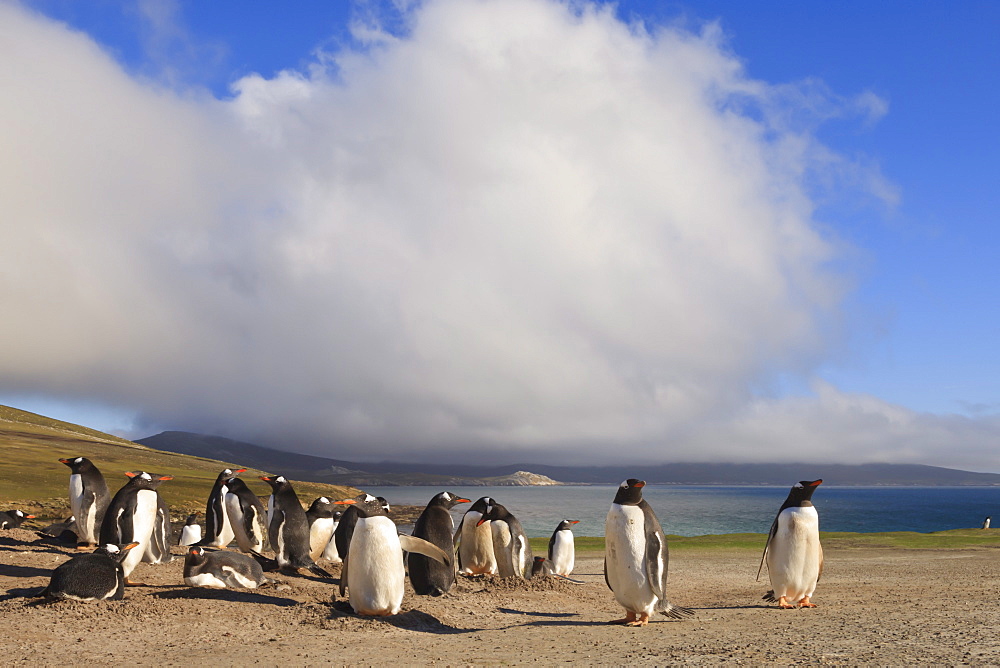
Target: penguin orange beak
[(165, 477), (481, 520), (641, 483), (130, 474), (130, 546), (64, 461), (816, 483), (345, 502), (240, 471), (574, 521), (463, 501), (29, 517), (265, 478)]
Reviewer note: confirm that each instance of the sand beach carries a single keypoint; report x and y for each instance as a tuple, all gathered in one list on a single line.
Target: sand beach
[(877, 606)]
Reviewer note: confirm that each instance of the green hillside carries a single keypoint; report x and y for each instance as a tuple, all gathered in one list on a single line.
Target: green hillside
[(33, 479)]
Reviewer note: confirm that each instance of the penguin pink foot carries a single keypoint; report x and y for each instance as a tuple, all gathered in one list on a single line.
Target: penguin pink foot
[(642, 620), (784, 604), (629, 619), (806, 603)]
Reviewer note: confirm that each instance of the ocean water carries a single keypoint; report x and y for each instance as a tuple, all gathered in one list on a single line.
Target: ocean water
[(698, 510)]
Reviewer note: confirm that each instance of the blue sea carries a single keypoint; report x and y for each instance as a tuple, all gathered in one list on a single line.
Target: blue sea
[(698, 510)]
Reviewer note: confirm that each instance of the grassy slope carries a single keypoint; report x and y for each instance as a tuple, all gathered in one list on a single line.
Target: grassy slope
[(32, 478), (955, 538)]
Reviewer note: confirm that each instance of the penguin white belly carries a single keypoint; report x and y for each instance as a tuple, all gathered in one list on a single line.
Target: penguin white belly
[(563, 553), (190, 534), (375, 567), (280, 553), (625, 555), (234, 520), (204, 580), (793, 557), (331, 553), (86, 518), (143, 521), (320, 533), (502, 549), (476, 550), (224, 527)]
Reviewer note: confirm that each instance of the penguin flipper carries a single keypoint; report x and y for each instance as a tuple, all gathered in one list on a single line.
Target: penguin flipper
[(770, 535), (656, 564), (426, 548), (320, 571), (606, 581), (343, 576)]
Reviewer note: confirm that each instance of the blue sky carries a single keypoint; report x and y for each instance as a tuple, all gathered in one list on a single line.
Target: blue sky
[(866, 323)]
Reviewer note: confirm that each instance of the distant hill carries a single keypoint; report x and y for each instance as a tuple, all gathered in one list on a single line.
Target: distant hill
[(33, 479), (320, 469)]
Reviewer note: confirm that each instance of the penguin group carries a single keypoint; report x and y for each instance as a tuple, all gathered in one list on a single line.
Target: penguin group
[(133, 526)]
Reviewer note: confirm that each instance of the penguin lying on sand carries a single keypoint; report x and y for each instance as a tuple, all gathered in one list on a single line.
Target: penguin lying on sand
[(12, 519), (373, 567), (97, 576), (635, 558), (191, 531), (793, 552), (222, 569)]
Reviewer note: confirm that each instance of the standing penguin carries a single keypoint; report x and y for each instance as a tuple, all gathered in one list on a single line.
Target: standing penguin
[(793, 552), (88, 498), (320, 516), (345, 527), (288, 529), (636, 558), (132, 516), (218, 530), (191, 531), (222, 569), (510, 543), (373, 569), (158, 548), (986, 522), (562, 549), (247, 517), (330, 553), (97, 576), (475, 541), (428, 576)]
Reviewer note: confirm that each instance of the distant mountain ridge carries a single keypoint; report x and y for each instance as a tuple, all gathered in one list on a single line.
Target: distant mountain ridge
[(341, 472)]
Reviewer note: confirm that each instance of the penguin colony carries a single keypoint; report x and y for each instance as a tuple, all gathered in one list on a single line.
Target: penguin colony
[(133, 526)]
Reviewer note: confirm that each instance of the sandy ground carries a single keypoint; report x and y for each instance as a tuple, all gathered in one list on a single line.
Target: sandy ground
[(877, 606)]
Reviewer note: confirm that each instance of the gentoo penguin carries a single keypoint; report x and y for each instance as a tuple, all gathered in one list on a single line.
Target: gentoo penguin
[(635, 557), (97, 576), (288, 530), (191, 531), (541, 567), (218, 530), (158, 548), (793, 553), (475, 541), (88, 499), (986, 522), (64, 532), (345, 528), (562, 550), (12, 519), (373, 569), (247, 517), (330, 553), (510, 543), (132, 516), (221, 569), (320, 516), (429, 577)]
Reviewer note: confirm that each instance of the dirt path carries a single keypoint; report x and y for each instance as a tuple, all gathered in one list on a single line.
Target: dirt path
[(877, 606)]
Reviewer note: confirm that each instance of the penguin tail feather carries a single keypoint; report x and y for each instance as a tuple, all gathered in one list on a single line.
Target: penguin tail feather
[(320, 571), (675, 611), (769, 597)]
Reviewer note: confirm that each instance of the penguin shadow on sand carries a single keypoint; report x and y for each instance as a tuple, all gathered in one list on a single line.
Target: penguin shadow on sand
[(551, 618), (235, 595), (409, 620)]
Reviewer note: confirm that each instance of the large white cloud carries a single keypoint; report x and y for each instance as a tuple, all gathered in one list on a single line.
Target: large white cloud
[(521, 225)]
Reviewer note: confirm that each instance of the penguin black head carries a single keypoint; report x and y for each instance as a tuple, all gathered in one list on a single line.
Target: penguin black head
[(276, 481), (228, 474), (566, 524), (145, 480), (630, 492), (192, 519), (447, 500), (481, 505), (321, 507), (77, 464), (115, 552), (195, 555), (366, 505), (494, 512), (801, 493)]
